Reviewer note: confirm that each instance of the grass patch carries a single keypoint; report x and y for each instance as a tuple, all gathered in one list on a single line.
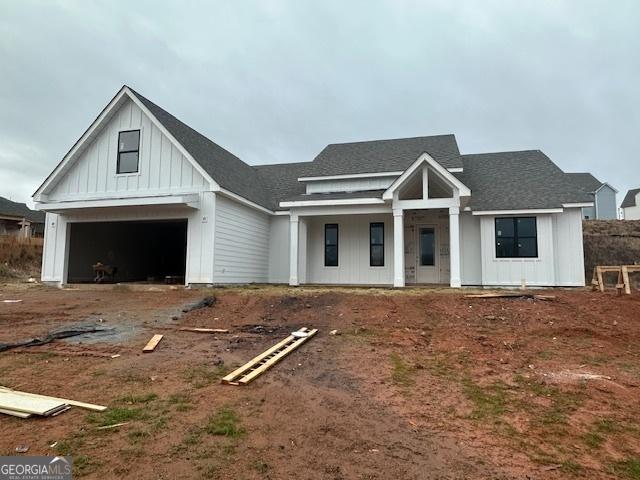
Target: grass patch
[(142, 398), (138, 436), (401, 372), (203, 375), (225, 422), (117, 415), (593, 439), (181, 401), (570, 467), (488, 402), (439, 366), (629, 468)]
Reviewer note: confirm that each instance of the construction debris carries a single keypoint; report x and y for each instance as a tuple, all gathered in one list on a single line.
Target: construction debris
[(54, 335), (511, 295), (203, 330), (11, 301), (24, 405), (153, 343), (260, 364), (115, 425), (206, 302), (623, 271)]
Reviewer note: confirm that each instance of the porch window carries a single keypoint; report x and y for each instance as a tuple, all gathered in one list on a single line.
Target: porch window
[(331, 245), (128, 151), (376, 244), (516, 237)]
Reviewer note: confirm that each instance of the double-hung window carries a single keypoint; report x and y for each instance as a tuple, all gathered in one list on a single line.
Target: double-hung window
[(516, 237), (128, 151)]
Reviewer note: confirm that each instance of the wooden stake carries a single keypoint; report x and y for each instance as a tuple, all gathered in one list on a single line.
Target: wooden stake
[(203, 330), (153, 343)]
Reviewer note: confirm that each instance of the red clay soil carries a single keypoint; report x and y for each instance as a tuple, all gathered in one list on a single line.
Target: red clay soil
[(416, 384)]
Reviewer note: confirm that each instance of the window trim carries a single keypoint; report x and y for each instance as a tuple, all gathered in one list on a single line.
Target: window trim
[(337, 245), (137, 172), (371, 244), (515, 238)]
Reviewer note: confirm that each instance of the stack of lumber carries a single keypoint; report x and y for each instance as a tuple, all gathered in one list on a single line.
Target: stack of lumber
[(24, 405)]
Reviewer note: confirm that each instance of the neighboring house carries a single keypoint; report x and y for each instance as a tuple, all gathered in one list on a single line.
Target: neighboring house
[(18, 220), (631, 205), (144, 192), (603, 196)]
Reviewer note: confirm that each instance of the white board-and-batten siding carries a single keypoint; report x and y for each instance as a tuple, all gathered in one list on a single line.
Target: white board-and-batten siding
[(163, 169), (241, 243)]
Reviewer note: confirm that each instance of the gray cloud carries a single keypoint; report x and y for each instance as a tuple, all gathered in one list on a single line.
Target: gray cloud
[(275, 81)]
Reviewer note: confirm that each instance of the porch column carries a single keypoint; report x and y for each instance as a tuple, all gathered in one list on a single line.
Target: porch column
[(293, 250), (398, 247), (454, 246)]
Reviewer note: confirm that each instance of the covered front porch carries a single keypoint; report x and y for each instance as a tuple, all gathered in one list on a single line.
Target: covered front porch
[(409, 236)]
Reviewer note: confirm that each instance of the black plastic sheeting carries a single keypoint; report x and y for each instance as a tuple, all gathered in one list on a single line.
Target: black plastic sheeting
[(54, 335)]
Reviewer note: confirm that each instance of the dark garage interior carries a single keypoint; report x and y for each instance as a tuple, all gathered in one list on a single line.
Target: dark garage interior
[(140, 251)]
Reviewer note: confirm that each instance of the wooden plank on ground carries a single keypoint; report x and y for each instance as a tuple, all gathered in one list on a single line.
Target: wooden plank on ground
[(153, 343), (88, 406), (203, 330)]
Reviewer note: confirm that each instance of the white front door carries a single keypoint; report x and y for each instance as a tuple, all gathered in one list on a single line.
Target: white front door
[(428, 254)]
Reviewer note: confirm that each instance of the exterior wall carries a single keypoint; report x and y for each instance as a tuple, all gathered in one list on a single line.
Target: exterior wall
[(199, 267), (162, 168), (605, 203), (516, 271), (353, 251), (589, 213), (470, 249), (241, 243), (279, 249), (560, 259), (350, 185), (568, 248), (632, 213)]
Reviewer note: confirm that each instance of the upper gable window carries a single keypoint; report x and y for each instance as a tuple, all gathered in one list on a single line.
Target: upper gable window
[(128, 151)]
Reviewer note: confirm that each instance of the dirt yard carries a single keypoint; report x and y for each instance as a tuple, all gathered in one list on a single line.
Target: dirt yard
[(422, 384)]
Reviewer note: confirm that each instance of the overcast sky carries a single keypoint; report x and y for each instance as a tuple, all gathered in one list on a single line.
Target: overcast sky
[(275, 81)]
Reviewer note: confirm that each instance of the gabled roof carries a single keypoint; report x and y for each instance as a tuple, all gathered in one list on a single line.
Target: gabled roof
[(20, 210), (630, 198), (585, 181), (517, 181), (384, 155), (224, 167)]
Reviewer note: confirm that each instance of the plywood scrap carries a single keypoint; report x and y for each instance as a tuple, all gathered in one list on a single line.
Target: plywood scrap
[(203, 330), (88, 406), (153, 343), (261, 363)]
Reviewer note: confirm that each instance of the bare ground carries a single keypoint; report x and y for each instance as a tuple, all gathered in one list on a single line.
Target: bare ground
[(418, 384)]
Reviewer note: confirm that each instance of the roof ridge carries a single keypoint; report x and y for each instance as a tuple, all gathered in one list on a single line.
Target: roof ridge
[(529, 150), (392, 139)]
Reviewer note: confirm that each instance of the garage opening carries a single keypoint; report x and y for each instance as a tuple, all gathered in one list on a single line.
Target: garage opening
[(134, 251)]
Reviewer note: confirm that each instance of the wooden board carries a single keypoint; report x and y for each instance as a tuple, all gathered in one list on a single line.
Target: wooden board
[(88, 406), (511, 295), (153, 343), (203, 330), (15, 401)]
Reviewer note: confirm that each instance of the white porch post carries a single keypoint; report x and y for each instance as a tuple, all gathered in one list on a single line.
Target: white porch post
[(454, 246), (293, 250), (398, 247)]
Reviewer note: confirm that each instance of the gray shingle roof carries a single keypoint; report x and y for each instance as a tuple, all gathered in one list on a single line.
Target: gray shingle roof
[(335, 196), (630, 198), (224, 167), (384, 155), (586, 181), (498, 181), (20, 210), (517, 180)]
